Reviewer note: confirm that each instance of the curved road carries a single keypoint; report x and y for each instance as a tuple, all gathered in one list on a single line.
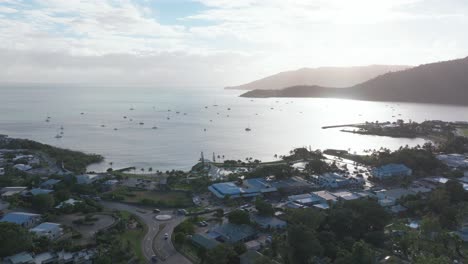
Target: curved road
[(154, 242)]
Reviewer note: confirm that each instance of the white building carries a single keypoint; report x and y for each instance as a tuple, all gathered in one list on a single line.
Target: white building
[(87, 178), (331, 180), (22, 167), (49, 230), (391, 170), (2, 171)]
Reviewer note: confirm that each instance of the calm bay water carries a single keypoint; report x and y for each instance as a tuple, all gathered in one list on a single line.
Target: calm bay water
[(278, 125)]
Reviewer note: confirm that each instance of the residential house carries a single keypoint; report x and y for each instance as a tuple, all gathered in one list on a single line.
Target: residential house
[(22, 167), (20, 258), (69, 202), (87, 178), (26, 220), (38, 191), (331, 180), (306, 199), (204, 242), (50, 184), (391, 170), (7, 192), (232, 233), (346, 196), (47, 229), (268, 222), (2, 171), (325, 196), (454, 160)]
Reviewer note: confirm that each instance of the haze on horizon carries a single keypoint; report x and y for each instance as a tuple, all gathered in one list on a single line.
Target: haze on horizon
[(218, 42)]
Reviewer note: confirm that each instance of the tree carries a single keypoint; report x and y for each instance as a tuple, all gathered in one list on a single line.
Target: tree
[(221, 254), (43, 202), (455, 191), (13, 239), (264, 208), (179, 238), (303, 244), (239, 217)]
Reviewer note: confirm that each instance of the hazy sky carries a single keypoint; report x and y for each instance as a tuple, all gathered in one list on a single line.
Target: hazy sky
[(219, 42)]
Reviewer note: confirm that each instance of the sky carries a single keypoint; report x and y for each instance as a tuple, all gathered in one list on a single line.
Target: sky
[(218, 43)]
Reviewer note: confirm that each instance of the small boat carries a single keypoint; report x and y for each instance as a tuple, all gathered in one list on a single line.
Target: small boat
[(206, 107), (248, 129), (211, 120), (131, 119), (155, 127), (81, 113), (185, 113), (141, 123), (115, 129), (47, 120), (125, 117), (229, 109), (131, 108), (58, 136), (177, 112), (168, 118), (103, 125), (204, 129), (61, 128)]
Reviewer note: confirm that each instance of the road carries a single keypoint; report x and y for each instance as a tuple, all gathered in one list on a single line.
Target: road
[(154, 242)]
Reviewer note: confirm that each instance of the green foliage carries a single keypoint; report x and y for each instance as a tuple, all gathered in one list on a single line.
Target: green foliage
[(221, 254), (43, 202), (264, 208), (239, 217), (74, 160), (280, 171), (13, 239), (186, 227)]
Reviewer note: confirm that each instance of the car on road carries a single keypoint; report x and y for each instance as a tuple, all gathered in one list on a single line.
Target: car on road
[(166, 236), (154, 259), (156, 211)]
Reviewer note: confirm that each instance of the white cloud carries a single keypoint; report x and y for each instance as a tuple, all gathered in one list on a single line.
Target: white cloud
[(221, 38)]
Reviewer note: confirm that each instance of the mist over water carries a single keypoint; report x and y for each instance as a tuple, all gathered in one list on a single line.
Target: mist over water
[(278, 125)]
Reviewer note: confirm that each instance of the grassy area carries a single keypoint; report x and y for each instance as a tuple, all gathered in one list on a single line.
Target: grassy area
[(151, 198), (134, 237), (464, 131)]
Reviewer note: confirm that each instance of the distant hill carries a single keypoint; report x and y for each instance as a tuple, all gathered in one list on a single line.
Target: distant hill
[(324, 76), (441, 83)]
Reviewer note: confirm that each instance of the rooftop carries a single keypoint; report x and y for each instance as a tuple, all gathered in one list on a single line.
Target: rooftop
[(233, 233), (18, 217), (204, 241), (45, 227)]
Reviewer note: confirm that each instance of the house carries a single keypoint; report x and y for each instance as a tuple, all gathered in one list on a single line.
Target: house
[(47, 229), (253, 245), (26, 220), (50, 183), (204, 242), (232, 233), (305, 199), (2, 171), (391, 170), (22, 167), (389, 197), (454, 160), (20, 258), (38, 191), (346, 196), (259, 186), (252, 257), (87, 178), (268, 222), (45, 258), (69, 202), (325, 196), (110, 185), (7, 192), (331, 180)]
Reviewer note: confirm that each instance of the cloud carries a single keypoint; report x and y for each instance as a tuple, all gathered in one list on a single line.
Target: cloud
[(71, 40)]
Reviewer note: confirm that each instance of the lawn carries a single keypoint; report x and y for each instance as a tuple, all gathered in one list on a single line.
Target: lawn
[(151, 198), (135, 237), (465, 132)]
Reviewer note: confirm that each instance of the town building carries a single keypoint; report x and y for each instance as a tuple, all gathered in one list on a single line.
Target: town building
[(2, 171), (87, 178), (259, 186), (201, 241), (26, 220), (7, 192), (22, 167), (454, 160), (47, 229), (20, 258), (50, 184), (232, 233), (325, 196), (391, 170), (268, 222), (331, 180)]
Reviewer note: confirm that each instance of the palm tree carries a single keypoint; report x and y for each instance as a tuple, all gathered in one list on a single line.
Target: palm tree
[(150, 169), (142, 170)]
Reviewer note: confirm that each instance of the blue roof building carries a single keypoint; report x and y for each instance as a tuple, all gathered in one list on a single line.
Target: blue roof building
[(25, 220), (50, 183), (391, 170), (47, 229), (257, 186), (231, 233), (37, 191), (267, 222)]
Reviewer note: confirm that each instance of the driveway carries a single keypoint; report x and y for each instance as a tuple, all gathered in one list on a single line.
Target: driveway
[(154, 238)]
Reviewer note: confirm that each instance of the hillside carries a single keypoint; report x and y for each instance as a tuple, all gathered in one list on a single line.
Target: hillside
[(441, 83), (324, 76)]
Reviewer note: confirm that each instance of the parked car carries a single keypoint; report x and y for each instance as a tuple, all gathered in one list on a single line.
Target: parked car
[(154, 259), (156, 211), (166, 236)]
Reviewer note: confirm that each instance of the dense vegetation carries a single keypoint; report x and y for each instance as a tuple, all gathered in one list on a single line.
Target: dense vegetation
[(74, 161)]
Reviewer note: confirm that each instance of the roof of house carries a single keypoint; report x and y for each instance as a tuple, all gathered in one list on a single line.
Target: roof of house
[(45, 227), (233, 233), (18, 217), (392, 168), (346, 195), (325, 195), (37, 191), (22, 257), (50, 182), (267, 220), (204, 241)]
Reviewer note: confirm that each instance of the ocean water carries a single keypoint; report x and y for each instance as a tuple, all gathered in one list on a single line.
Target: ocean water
[(214, 122)]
